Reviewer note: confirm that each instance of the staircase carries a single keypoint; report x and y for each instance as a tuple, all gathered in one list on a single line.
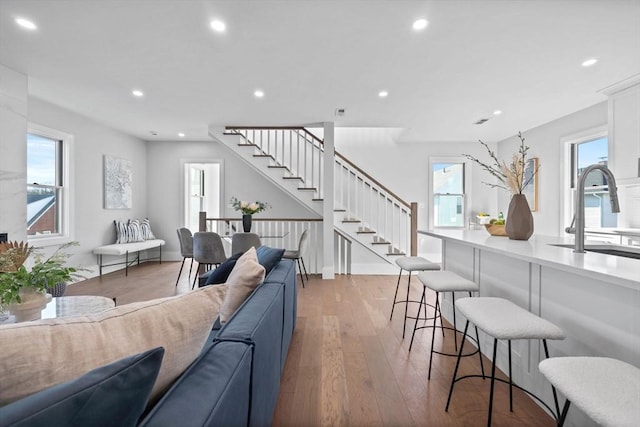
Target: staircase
[(364, 210)]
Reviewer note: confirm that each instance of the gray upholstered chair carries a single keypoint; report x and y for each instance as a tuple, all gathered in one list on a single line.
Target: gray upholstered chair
[(207, 250), (186, 249), (240, 242), (299, 253)]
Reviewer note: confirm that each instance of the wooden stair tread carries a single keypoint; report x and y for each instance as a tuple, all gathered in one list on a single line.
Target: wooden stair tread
[(365, 232), (263, 155), (317, 200), (247, 144), (339, 210), (277, 167), (351, 220), (307, 189), (380, 242), (293, 177)]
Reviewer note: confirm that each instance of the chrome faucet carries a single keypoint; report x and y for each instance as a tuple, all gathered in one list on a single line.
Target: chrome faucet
[(579, 210)]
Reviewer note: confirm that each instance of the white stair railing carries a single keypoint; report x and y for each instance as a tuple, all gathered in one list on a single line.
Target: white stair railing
[(293, 149), (379, 211), (390, 220)]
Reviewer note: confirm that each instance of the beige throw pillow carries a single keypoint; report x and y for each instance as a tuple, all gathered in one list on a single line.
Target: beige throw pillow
[(38, 355), (246, 275)]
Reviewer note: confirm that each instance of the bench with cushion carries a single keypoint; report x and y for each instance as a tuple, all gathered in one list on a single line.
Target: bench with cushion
[(119, 249)]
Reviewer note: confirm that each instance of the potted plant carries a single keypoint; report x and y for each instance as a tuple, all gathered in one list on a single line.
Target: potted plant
[(248, 209), (512, 177), (22, 290)]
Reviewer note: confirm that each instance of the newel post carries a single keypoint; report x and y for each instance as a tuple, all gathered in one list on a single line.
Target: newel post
[(202, 221), (414, 228)]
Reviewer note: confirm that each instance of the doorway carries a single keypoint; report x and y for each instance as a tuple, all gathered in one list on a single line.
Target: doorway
[(202, 192)]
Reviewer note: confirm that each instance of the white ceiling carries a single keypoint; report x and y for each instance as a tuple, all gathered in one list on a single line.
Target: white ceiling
[(311, 57)]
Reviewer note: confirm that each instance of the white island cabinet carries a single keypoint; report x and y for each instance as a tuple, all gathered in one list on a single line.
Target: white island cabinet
[(594, 298)]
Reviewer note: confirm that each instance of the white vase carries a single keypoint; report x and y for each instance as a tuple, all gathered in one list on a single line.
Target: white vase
[(33, 302)]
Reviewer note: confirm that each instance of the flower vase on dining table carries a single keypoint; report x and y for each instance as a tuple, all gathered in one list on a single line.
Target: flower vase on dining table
[(246, 223)]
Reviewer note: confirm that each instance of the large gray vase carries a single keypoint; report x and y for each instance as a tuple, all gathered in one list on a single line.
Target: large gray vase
[(519, 224)]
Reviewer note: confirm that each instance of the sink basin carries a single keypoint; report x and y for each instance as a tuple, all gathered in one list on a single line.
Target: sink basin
[(616, 250)]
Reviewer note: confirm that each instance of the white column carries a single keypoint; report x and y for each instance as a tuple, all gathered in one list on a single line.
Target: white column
[(328, 271), (13, 153)]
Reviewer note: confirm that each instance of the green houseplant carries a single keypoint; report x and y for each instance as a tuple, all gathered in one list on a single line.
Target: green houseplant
[(23, 289)]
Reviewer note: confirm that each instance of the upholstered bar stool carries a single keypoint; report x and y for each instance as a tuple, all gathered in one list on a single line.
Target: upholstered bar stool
[(607, 390), (504, 320), (410, 264), (445, 281)]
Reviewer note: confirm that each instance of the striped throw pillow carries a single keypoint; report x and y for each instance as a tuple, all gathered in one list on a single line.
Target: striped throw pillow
[(134, 233), (121, 232), (145, 227)]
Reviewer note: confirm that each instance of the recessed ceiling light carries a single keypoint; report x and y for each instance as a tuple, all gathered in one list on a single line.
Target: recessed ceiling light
[(497, 112), (383, 94), (137, 93), (181, 135), (420, 24), (26, 24), (589, 62), (258, 93), (218, 26)]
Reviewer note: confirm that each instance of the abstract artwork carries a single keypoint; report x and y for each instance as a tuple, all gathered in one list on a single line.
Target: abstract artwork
[(117, 183)]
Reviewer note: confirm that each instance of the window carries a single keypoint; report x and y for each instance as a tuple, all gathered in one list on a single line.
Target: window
[(448, 180), (591, 148), (47, 187)]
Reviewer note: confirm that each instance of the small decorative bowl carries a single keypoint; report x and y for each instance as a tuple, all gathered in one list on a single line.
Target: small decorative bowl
[(496, 229)]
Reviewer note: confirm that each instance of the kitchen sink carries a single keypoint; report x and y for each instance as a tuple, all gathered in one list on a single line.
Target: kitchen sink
[(616, 250)]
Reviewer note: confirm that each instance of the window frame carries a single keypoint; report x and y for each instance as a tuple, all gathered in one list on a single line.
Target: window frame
[(65, 204), (568, 191), (466, 189)]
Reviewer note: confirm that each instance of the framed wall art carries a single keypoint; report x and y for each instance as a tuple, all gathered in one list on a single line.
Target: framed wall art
[(117, 183)]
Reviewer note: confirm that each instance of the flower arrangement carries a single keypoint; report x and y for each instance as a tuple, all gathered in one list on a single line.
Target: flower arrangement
[(511, 176), (44, 272), (249, 208)]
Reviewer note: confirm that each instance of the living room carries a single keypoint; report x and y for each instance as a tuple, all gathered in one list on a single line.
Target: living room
[(74, 76)]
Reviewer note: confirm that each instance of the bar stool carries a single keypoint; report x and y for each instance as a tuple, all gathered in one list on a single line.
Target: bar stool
[(504, 320), (605, 389), (445, 281), (410, 264)]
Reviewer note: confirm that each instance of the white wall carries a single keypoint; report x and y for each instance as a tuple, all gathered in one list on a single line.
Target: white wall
[(165, 191), (545, 143), (92, 225), (13, 153)]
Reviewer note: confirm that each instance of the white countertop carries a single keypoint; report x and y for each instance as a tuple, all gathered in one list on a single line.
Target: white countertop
[(608, 268)]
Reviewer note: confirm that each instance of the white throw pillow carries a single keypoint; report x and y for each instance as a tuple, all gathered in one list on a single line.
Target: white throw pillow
[(37, 355), (246, 275)]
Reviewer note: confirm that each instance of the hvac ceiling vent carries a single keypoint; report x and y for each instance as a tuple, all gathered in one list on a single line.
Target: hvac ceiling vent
[(481, 121), (340, 112)]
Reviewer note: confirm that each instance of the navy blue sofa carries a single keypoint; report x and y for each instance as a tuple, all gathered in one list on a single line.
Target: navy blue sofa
[(236, 379)]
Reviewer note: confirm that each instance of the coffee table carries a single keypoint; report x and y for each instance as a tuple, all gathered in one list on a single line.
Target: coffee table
[(80, 305)]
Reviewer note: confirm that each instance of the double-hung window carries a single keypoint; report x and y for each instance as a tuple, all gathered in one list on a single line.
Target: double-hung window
[(47, 184), (583, 151), (448, 193)]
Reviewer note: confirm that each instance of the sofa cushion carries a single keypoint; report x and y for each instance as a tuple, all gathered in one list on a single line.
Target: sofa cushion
[(38, 355), (269, 257), (246, 275), (115, 394), (214, 391), (221, 273)]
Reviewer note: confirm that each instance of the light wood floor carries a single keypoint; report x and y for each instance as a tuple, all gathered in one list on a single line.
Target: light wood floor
[(347, 364)]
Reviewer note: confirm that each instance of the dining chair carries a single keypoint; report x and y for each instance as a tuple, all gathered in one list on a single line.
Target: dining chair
[(186, 249), (299, 253), (240, 242), (208, 250)]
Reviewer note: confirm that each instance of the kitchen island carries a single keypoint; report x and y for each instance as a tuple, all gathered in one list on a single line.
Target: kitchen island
[(594, 298)]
